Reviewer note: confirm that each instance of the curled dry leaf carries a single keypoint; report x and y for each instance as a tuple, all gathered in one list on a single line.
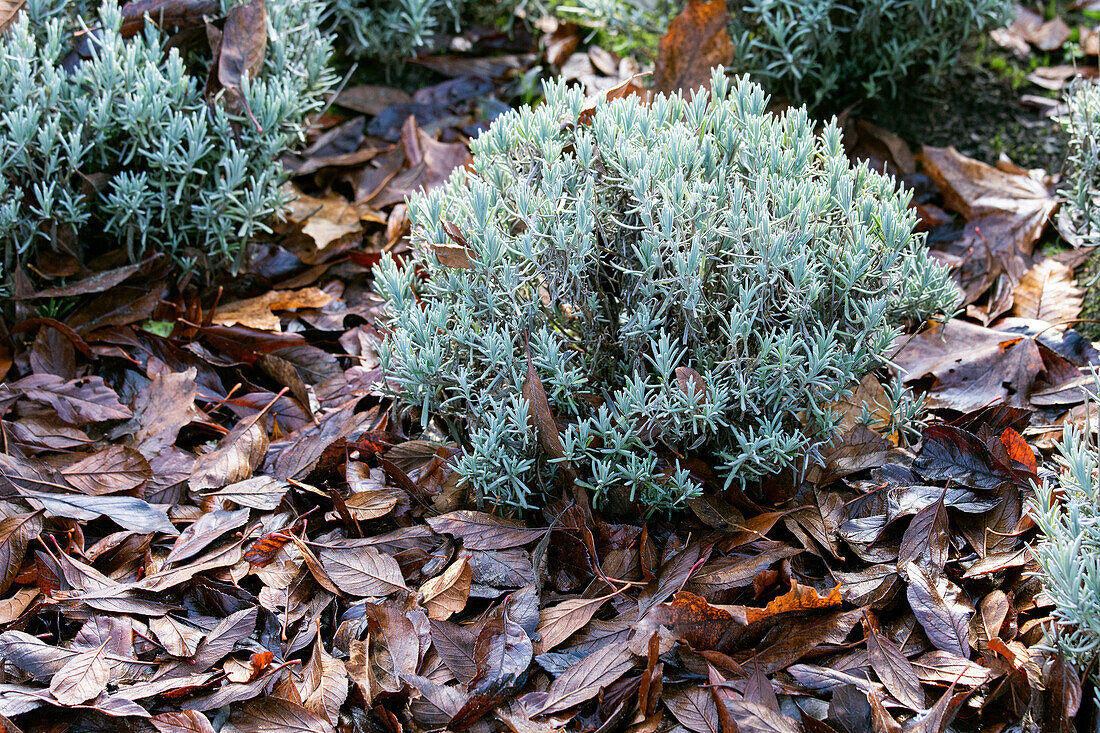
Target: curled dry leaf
[(446, 594), (799, 599), (16, 532), (259, 312), (235, 457), (243, 45)]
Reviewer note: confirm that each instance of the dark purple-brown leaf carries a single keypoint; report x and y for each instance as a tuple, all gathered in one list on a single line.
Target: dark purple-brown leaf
[(934, 601)]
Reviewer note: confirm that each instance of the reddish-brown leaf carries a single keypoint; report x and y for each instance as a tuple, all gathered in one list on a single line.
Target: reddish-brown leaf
[(263, 551), (695, 621), (1019, 450), (540, 416), (952, 454)]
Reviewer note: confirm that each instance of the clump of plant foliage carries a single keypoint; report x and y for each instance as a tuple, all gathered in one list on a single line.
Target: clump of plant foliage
[(828, 53), (1067, 512), (692, 276), (390, 31), (111, 135), (1082, 172), (1079, 216)]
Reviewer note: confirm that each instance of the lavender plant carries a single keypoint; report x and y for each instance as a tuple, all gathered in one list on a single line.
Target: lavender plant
[(390, 31), (828, 52), (116, 143), (1067, 512), (690, 276), (1082, 172)]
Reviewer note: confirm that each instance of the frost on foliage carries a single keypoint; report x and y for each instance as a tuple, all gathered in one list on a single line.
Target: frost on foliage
[(1082, 125), (116, 144), (1067, 512), (701, 233), (831, 51)]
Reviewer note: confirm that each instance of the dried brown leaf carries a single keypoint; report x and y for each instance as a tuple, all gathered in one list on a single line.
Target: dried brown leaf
[(481, 531), (9, 10), (894, 670), (557, 623), (697, 40), (83, 677), (185, 721), (16, 532), (934, 603), (586, 679), (446, 594), (1048, 293), (234, 459), (113, 470), (694, 707), (363, 571), (276, 715)]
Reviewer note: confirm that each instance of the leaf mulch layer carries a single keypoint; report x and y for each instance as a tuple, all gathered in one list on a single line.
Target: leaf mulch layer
[(212, 518)]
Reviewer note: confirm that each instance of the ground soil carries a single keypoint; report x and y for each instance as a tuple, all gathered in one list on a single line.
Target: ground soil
[(980, 112)]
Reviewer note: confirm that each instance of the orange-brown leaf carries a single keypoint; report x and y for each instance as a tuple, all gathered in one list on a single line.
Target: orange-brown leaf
[(800, 598), (695, 621), (697, 40), (1019, 450), (264, 550)]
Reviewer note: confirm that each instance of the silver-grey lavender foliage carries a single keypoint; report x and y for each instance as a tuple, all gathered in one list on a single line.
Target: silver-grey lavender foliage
[(1067, 512), (830, 52), (1082, 173), (123, 145), (390, 31), (702, 233)]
